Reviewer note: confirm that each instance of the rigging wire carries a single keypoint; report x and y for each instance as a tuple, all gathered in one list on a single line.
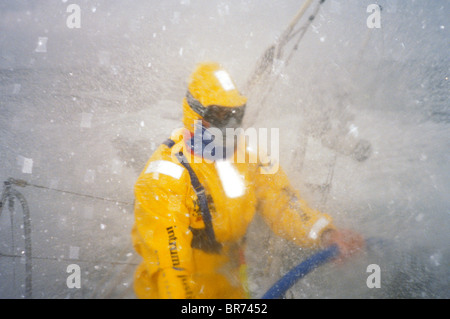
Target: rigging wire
[(266, 73), (24, 183), (9, 194)]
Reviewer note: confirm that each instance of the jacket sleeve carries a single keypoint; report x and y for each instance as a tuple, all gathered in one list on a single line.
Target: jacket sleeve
[(162, 230), (286, 213)]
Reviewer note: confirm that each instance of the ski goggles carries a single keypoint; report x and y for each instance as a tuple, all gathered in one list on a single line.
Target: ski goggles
[(216, 115)]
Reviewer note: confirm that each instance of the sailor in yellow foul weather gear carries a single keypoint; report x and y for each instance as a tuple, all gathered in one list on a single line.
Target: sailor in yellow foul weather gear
[(194, 202)]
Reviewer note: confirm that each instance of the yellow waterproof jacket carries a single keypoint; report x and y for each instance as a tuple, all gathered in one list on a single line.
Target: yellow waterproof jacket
[(169, 224)]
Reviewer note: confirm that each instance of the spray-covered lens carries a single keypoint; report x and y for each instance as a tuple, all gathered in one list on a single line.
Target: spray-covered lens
[(223, 117)]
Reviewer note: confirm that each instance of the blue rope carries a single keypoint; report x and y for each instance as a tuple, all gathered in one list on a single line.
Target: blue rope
[(287, 281), (321, 257)]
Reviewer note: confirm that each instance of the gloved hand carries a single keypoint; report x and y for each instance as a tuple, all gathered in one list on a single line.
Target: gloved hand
[(349, 242)]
